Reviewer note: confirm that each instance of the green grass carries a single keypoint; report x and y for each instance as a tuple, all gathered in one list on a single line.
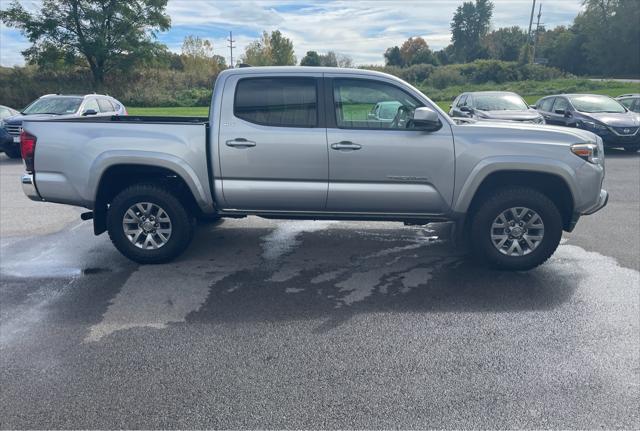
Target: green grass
[(179, 111), (530, 90)]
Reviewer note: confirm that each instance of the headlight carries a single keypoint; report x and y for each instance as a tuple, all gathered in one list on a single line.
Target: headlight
[(592, 125), (588, 152)]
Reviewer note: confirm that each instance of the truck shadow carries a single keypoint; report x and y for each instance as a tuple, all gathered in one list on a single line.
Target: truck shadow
[(335, 273)]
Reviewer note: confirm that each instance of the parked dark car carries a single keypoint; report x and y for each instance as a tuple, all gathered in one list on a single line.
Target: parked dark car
[(494, 105), (630, 101), (6, 141), (59, 106), (602, 115)]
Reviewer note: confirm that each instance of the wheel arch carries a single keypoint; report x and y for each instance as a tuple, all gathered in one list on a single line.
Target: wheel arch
[(118, 177), (553, 179)]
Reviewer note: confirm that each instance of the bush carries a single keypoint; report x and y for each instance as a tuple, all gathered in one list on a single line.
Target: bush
[(444, 77)]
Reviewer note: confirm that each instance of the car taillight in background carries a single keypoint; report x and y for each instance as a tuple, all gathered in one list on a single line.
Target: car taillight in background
[(27, 149)]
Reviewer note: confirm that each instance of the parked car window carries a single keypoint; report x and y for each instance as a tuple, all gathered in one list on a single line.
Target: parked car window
[(636, 106), (4, 112), (91, 104), (462, 101), (499, 102), (546, 104), (595, 103), (54, 105), (105, 105), (561, 104), (355, 98), (626, 102), (280, 102)]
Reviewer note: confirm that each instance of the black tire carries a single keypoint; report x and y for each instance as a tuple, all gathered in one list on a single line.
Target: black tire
[(504, 199), (182, 223), (13, 152)]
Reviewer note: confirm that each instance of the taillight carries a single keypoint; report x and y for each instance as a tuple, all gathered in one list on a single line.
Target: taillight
[(28, 149)]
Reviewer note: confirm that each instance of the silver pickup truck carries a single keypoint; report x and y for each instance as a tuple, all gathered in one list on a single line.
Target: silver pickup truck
[(296, 142)]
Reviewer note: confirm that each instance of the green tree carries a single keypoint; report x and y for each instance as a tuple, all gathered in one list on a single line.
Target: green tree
[(310, 59), (270, 50), (470, 24), (505, 43), (198, 57), (416, 51), (110, 34), (393, 57), (329, 59)]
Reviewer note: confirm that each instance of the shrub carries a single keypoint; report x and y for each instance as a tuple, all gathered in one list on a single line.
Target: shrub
[(444, 77)]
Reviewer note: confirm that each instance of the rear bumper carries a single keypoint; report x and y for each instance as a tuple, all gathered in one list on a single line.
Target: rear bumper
[(29, 187)]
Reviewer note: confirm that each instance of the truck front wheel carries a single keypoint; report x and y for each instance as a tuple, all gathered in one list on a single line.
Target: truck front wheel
[(148, 224), (516, 228)]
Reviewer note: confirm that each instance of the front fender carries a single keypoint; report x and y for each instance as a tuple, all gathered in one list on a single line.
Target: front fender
[(464, 195)]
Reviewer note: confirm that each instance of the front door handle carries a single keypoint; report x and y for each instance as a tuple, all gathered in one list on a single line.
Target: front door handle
[(240, 143), (346, 145)]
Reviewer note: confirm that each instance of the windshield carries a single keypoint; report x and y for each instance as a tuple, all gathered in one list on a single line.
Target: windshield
[(499, 102), (592, 103), (54, 105)]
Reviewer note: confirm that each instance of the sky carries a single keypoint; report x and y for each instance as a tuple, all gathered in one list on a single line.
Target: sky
[(361, 29)]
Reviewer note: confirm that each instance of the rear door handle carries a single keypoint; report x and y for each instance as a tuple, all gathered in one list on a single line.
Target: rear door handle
[(346, 145), (240, 143)]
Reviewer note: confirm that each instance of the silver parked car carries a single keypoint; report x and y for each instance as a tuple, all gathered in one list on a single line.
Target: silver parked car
[(61, 106), (494, 106), (630, 101), (299, 143)]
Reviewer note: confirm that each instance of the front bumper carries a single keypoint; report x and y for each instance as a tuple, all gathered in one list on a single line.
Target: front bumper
[(602, 201), (29, 187)]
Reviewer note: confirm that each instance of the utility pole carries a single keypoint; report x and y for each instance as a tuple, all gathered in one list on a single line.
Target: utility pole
[(231, 48), (533, 10), (535, 37)]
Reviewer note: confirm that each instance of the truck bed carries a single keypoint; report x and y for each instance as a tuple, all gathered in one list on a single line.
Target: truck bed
[(134, 119)]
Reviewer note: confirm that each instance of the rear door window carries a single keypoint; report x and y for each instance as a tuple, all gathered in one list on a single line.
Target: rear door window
[(278, 102), (105, 105), (462, 101)]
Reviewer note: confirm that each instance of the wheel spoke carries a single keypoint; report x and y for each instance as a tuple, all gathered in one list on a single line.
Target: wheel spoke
[(147, 234), (517, 231)]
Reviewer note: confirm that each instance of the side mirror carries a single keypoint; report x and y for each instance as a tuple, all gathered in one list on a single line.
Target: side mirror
[(533, 107), (426, 119), (89, 112), (466, 109)]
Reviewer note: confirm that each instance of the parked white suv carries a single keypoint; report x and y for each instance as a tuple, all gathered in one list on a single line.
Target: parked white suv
[(61, 106)]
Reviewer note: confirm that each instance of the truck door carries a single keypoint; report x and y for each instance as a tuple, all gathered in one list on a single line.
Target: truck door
[(384, 166), (272, 143)]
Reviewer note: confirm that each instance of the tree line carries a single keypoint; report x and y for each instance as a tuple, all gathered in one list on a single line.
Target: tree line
[(112, 44), (604, 40)]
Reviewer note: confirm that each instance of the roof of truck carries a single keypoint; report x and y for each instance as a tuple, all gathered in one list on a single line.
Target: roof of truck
[(300, 69)]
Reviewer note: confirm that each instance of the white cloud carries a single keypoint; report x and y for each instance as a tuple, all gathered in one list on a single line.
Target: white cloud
[(360, 29)]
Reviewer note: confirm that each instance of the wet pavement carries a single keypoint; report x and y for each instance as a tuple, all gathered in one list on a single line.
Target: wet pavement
[(274, 324)]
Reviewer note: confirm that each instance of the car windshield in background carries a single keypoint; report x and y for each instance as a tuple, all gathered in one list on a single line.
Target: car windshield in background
[(54, 105), (591, 103), (499, 102)]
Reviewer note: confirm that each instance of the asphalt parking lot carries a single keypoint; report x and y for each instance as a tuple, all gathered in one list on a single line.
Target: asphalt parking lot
[(269, 324)]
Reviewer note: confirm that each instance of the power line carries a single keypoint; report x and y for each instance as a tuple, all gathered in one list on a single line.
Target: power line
[(231, 41)]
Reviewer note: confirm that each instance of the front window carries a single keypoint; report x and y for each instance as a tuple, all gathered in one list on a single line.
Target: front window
[(54, 105), (356, 101), (593, 103), (499, 102)]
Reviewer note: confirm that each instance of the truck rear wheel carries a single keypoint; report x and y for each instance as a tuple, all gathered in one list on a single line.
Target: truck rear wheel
[(148, 224), (517, 228)]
